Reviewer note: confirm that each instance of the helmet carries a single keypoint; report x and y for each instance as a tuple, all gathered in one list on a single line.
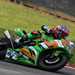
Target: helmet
[(19, 32), (44, 27)]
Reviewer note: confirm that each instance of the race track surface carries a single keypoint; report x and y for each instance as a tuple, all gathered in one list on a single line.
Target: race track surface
[(14, 69)]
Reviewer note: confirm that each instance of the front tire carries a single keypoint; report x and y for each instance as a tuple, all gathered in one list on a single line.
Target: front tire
[(54, 64)]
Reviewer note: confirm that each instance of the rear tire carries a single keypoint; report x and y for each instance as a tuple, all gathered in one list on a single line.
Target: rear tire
[(2, 54), (53, 66)]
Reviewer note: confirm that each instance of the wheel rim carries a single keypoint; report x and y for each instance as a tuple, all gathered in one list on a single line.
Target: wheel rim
[(52, 62), (49, 60)]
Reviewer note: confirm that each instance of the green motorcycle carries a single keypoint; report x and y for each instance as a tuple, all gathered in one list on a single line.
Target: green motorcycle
[(38, 49)]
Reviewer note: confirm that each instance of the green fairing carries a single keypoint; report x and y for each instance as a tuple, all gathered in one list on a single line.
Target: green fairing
[(19, 32), (64, 50), (32, 36), (24, 60)]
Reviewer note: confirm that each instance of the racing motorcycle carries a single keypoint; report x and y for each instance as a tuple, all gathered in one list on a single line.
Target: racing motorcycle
[(46, 52)]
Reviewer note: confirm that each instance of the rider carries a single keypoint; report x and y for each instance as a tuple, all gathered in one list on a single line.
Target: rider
[(58, 32)]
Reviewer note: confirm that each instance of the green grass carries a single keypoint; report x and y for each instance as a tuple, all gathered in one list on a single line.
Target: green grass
[(16, 16), (72, 61)]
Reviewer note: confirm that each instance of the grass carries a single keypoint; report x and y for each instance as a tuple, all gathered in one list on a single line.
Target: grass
[(16, 16)]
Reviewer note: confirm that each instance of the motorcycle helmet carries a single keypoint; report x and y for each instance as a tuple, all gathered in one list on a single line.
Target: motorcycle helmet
[(19, 32), (44, 27)]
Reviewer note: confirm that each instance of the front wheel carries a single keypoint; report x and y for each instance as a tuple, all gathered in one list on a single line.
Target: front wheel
[(50, 62)]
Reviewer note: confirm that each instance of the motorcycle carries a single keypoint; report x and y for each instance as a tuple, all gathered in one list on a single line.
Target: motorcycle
[(46, 53)]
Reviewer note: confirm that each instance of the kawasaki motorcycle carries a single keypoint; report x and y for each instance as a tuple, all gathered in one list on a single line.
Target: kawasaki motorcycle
[(46, 53)]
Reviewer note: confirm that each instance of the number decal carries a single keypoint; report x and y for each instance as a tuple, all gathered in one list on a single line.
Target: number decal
[(11, 54)]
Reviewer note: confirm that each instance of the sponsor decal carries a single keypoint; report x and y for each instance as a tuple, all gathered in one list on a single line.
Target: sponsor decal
[(44, 45), (53, 44), (48, 43), (59, 43), (28, 53), (65, 42), (11, 54)]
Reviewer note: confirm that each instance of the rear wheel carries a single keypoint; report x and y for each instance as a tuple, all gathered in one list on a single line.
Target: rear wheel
[(2, 54), (4, 44), (51, 62)]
